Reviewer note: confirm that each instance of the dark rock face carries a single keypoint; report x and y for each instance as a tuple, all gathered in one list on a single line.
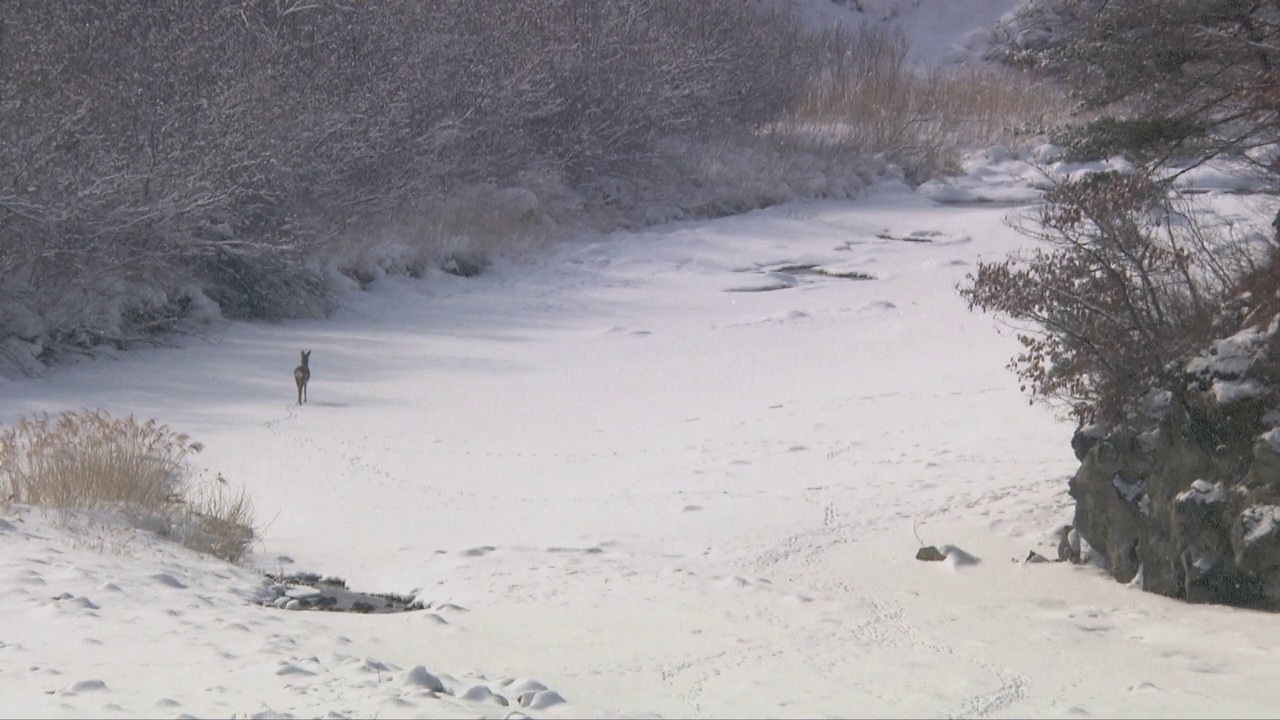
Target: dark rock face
[(1255, 539), (1195, 526), (1084, 440), (1188, 494)]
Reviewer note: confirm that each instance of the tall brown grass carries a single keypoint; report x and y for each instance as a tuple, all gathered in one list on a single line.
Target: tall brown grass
[(89, 461), (872, 99)]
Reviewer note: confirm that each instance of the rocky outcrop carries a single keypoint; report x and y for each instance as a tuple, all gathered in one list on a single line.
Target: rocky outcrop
[(1186, 495)]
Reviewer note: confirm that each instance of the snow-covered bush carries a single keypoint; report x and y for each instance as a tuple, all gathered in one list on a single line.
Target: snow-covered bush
[(165, 159), (1128, 283), (1173, 78), (229, 145), (1131, 281)]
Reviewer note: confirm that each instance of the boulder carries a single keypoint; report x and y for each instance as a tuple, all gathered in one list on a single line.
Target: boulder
[(1187, 491)]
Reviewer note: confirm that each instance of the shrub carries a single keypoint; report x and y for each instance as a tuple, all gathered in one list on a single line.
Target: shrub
[(88, 461), (217, 520), (226, 144), (1176, 73), (870, 97), (1130, 282), (1144, 139)]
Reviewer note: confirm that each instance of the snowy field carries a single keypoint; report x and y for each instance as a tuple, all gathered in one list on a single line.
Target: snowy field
[(669, 473)]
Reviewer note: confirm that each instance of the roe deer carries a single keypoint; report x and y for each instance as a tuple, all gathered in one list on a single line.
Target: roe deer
[(301, 375)]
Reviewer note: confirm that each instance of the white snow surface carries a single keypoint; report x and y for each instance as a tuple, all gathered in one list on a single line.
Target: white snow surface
[(1230, 357), (1204, 493), (1272, 438), (1229, 391), (622, 488), (1259, 521)]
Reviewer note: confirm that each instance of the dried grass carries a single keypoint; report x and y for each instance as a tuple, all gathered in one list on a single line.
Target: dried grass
[(218, 520), (870, 98), (89, 461)]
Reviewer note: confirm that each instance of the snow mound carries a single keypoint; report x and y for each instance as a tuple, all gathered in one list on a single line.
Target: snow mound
[(210, 649)]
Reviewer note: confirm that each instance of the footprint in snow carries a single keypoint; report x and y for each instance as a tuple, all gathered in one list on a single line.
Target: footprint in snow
[(85, 686), (619, 329), (168, 580), (482, 693), (879, 306), (1144, 687)]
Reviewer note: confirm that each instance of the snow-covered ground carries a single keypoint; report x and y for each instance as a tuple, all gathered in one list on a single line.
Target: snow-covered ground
[(676, 472)]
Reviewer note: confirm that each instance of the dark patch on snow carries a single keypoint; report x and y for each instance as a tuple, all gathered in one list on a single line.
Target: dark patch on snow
[(308, 591), (822, 271)]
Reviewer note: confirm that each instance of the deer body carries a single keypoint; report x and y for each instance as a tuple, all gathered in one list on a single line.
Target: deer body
[(301, 375)]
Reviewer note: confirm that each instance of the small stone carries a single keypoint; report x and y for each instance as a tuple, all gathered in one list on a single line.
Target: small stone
[(1035, 557), (930, 554)]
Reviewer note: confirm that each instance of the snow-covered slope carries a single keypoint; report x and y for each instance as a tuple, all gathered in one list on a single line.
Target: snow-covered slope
[(677, 472)]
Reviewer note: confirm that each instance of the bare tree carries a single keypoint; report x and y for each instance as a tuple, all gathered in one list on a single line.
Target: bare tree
[(152, 150)]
